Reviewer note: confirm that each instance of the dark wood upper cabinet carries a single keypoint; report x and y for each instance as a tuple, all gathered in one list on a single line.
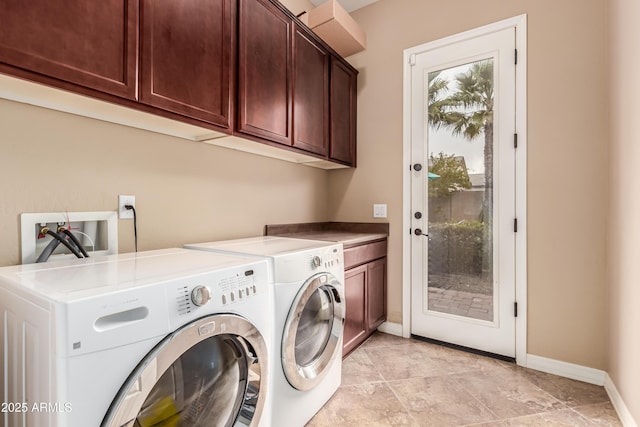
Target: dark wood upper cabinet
[(264, 71), (343, 112), (310, 93), (242, 67), (88, 43), (186, 58)]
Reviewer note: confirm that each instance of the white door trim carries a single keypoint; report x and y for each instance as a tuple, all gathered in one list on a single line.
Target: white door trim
[(520, 23)]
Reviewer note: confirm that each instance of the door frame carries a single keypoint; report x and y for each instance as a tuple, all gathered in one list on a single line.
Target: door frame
[(520, 24)]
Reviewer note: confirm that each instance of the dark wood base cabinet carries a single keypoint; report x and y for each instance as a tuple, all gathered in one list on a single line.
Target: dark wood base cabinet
[(365, 293)]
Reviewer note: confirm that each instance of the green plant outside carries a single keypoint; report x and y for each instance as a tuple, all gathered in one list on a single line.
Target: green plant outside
[(456, 248)]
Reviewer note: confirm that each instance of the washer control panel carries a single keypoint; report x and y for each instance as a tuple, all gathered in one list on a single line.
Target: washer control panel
[(218, 289)]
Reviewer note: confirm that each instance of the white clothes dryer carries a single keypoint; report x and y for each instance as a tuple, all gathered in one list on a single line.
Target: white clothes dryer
[(308, 278), (167, 337)]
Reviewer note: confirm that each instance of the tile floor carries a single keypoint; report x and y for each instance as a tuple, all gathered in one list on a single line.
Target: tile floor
[(392, 381)]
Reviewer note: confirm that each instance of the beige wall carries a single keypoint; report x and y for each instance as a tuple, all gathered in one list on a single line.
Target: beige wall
[(298, 6), (624, 265), (566, 155), (185, 191)]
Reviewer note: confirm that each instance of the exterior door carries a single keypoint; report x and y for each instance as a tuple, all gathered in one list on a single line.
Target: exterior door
[(463, 193), (312, 337), (211, 372)]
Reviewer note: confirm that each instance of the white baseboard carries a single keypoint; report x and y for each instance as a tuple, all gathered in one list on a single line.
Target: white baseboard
[(616, 400), (567, 370), (391, 328), (588, 375)]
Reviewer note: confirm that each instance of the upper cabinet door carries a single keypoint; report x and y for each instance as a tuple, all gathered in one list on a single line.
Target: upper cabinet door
[(343, 113), (88, 43), (310, 94), (264, 71), (186, 58)]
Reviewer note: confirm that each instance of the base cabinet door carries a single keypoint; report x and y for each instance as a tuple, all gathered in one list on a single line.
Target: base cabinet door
[(186, 58), (355, 329), (376, 293), (93, 44), (366, 292)]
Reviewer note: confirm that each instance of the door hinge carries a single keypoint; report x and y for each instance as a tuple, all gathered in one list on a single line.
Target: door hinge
[(515, 140), (515, 309), (515, 59), (412, 59), (515, 225)]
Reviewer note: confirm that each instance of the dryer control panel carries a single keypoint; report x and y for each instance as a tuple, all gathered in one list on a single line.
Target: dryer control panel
[(298, 266)]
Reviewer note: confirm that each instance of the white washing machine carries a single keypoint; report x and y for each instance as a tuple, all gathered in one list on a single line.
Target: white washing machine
[(169, 337), (308, 280)]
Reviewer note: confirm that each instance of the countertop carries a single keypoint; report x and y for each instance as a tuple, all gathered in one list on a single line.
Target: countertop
[(349, 234)]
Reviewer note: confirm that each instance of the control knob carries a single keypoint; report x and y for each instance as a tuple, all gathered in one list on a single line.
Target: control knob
[(316, 262), (200, 295)]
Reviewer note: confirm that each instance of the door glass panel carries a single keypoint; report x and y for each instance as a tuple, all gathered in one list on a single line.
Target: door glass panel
[(203, 387), (460, 190), (314, 328)]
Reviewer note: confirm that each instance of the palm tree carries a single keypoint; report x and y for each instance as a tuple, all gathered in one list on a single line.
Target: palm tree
[(468, 112)]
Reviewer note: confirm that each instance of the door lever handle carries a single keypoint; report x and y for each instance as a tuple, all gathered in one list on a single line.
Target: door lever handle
[(418, 232)]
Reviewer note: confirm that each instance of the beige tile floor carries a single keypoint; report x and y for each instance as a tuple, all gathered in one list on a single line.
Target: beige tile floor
[(392, 381)]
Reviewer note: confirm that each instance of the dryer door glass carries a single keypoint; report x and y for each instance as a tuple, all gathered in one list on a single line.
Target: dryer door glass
[(314, 328), (312, 337), (212, 372)]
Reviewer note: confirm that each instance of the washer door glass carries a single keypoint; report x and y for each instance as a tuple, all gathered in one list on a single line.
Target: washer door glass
[(206, 383), (196, 377), (313, 332)]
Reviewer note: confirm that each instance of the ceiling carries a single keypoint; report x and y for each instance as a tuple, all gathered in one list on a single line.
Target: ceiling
[(349, 5)]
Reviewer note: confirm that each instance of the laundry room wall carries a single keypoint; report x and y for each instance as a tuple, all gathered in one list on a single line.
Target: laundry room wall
[(624, 203), (185, 191), (297, 6), (567, 155)]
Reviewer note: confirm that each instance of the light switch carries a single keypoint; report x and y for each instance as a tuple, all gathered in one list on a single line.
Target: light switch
[(379, 210)]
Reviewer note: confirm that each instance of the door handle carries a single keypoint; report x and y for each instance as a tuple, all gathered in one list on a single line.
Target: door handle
[(418, 232)]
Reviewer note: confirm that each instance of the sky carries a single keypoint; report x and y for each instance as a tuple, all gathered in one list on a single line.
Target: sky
[(442, 140)]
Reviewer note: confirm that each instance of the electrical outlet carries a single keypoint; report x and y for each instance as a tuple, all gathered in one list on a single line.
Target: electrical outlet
[(124, 213), (380, 211)]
